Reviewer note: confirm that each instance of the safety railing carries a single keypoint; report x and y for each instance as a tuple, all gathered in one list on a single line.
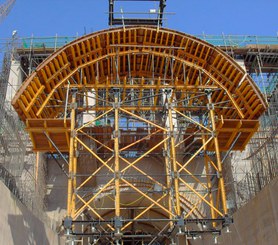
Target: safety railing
[(216, 40), (238, 40), (45, 42)]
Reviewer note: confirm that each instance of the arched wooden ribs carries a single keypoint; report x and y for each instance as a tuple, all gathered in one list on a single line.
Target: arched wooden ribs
[(142, 58)]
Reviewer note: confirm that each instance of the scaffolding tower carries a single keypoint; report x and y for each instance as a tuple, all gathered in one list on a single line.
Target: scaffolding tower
[(20, 169), (145, 116), (261, 152)]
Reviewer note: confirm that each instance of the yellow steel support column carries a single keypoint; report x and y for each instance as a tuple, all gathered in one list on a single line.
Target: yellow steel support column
[(71, 157), (209, 185), (173, 157), (37, 170), (117, 163), (168, 178), (217, 151), (74, 170)]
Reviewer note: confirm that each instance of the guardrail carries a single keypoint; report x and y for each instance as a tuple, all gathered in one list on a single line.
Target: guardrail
[(238, 40), (216, 40), (45, 42)]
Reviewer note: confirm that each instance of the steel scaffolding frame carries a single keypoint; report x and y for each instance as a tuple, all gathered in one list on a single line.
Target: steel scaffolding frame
[(261, 155), (22, 170), (175, 102), (171, 191)]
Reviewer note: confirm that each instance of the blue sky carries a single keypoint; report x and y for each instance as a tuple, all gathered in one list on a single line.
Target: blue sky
[(68, 17)]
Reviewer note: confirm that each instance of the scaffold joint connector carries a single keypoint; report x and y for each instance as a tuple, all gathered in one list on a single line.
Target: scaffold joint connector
[(210, 106)]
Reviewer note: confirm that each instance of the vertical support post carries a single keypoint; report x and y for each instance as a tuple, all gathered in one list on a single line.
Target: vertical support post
[(74, 170), (116, 153), (111, 12), (55, 45), (217, 152), (71, 156), (173, 157), (30, 56), (168, 179), (211, 201), (259, 60), (37, 170)]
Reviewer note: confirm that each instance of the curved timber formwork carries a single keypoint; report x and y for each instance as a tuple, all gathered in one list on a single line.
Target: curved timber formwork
[(144, 114)]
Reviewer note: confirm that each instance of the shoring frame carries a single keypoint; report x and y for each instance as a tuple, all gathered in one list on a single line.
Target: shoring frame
[(173, 173)]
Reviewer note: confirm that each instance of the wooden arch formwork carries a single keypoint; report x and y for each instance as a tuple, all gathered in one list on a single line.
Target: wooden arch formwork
[(144, 115)]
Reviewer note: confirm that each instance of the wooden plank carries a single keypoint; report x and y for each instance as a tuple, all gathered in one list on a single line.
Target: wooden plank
[(35, 97), (196, 55)]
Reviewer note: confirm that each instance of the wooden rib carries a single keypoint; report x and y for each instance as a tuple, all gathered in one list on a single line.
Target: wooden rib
[(92, 47)]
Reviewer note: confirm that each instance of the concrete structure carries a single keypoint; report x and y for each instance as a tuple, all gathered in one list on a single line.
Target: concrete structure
[(19, 226), (256, 223)]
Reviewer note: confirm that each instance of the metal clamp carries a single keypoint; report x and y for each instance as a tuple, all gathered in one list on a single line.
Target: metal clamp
[(73, 133), (73, 105), (175, 175), (116, 134), (210, 106), (117, 175)]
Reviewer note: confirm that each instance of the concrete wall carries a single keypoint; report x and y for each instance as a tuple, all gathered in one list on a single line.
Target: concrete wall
[(256, 223), (15, 80), (56, 194), (19, 226)]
